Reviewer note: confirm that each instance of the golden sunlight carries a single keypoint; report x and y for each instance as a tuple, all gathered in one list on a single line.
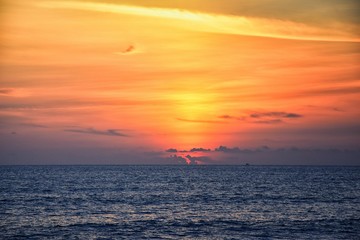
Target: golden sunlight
[(155, 75), (216, 23), (193, 113)]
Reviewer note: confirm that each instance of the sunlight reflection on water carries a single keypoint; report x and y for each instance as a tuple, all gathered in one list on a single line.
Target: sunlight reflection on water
[(203, 202)]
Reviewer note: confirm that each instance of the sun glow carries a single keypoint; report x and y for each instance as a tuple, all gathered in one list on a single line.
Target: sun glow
[(193, 113), (148, 76), (192, 105)]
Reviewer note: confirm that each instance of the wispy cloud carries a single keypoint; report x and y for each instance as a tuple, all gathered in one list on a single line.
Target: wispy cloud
[(14, 92), (216, 23), (5, 91), (229, 117), (34, 125), (275, 114), (328, 108), (19, 121), (335, 90), (199, 121), (226, 117), (269, 121), (264, 117), (109, 132)]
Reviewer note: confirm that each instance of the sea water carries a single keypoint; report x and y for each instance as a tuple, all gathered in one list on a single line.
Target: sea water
[(179, 202)]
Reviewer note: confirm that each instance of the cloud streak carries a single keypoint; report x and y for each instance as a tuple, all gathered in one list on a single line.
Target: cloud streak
[(10, 121), (275, 114), (264, 117), (5, 91), (216, 23), (109, 132), (198, 121)]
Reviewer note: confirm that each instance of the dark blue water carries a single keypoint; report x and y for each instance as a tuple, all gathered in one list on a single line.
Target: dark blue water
[(179, 202)]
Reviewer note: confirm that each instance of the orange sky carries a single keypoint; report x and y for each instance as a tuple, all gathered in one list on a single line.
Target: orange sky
[(132, 75)]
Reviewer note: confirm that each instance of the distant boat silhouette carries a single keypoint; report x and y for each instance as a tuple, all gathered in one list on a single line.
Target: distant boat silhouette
[(247, 164)]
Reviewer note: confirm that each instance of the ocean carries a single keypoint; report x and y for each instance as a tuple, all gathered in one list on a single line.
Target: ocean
[(179, 202)]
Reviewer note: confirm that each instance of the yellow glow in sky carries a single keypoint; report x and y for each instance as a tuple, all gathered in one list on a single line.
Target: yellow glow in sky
[(226, 24), (81, 74)]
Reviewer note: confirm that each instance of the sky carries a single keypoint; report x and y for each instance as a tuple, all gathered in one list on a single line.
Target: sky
[(180, 82)]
